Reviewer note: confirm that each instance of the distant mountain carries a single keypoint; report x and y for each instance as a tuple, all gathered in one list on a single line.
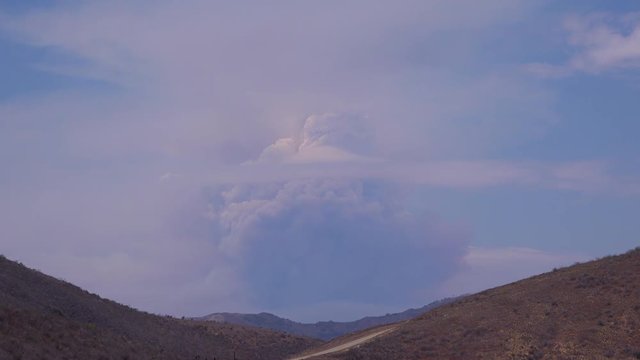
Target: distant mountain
[(586, 311), (324, 330), (45, 318)]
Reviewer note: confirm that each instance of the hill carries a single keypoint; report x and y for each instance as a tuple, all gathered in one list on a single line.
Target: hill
[(324, 330), (45, 318), (586, 311)]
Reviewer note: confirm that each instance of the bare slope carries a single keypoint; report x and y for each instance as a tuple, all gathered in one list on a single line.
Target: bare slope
[(45, 318), (325, 330), (586, 311)]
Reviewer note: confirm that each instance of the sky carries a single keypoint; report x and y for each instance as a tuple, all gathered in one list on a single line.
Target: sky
[(317, 160)]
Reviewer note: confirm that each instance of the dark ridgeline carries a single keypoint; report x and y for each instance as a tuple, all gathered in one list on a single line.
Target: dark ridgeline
[(45, 318), (586, 311), (325, 330)]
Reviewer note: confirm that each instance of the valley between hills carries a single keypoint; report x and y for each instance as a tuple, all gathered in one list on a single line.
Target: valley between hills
[(585, 311)]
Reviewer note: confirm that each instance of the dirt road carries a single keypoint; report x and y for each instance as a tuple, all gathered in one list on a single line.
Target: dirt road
[(347, 345)]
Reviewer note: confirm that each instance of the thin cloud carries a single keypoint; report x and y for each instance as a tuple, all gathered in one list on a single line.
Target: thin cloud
[(601, 42)]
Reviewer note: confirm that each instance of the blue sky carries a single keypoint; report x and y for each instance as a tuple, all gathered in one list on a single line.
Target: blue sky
[(319, 160)]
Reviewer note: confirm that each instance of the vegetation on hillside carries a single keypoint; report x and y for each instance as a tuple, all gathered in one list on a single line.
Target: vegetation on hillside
[(45, 318), (586, 311)]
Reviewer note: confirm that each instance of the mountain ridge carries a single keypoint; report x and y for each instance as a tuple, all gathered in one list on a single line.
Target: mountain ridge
[(325, 330)]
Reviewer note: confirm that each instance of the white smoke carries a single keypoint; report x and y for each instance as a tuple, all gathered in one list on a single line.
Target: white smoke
[(330, 240)]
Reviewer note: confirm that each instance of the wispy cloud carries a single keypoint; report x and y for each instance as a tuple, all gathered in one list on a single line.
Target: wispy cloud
[(606, 42), (601, 42)]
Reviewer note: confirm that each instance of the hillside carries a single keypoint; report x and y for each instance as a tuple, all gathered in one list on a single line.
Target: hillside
[(586, 311), (45, 318), (324, 330)]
